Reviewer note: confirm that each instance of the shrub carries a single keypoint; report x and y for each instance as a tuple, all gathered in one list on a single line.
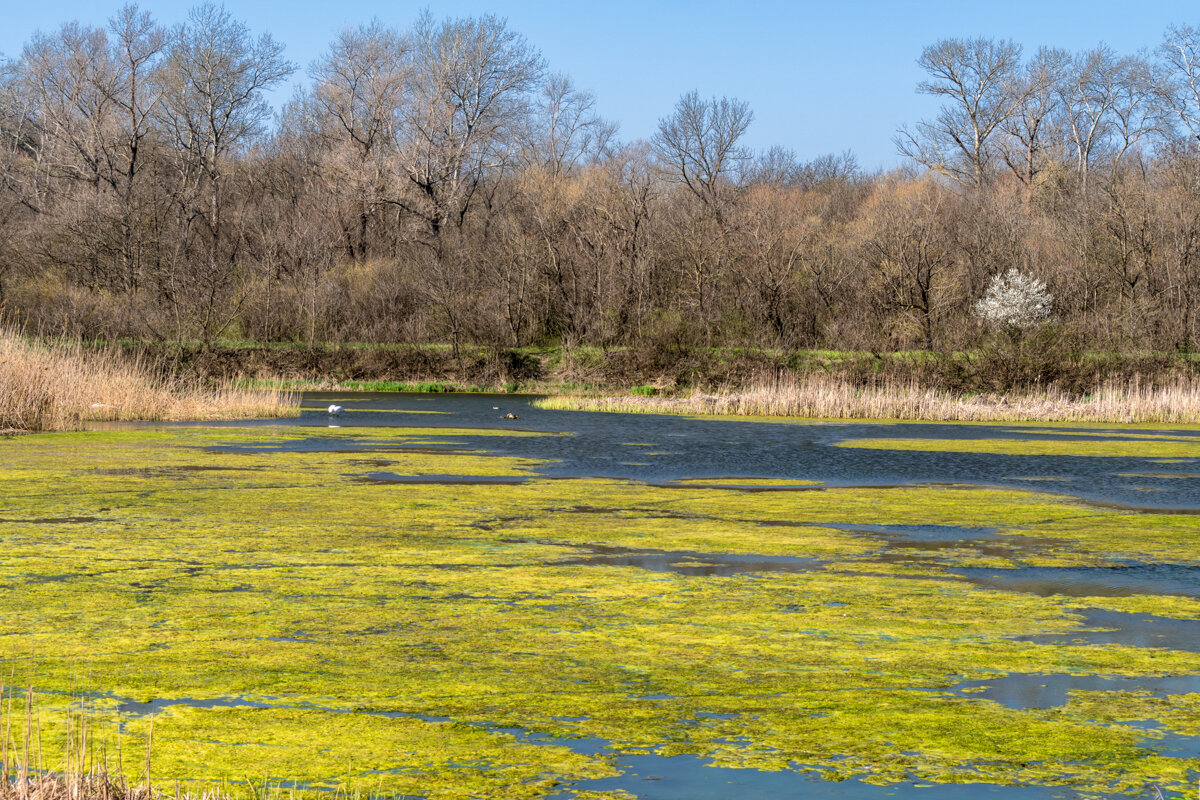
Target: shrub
[(1015, 302)]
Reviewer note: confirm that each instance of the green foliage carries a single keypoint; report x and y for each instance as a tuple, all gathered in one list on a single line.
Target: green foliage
[(1116, 447), (644, 390)]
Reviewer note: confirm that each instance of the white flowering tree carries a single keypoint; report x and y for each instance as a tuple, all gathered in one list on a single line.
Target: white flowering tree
[(1015, 302)]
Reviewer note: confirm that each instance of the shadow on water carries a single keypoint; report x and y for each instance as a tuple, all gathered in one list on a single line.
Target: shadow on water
[(50, 520), (924, 533), (687, 562), (473, 480)]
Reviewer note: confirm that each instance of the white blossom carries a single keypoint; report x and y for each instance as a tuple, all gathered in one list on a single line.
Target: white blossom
[(1015, 301)]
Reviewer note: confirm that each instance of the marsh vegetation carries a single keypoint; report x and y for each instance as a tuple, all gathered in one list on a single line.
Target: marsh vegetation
[(814, 396), (62, 385), (279, 617)]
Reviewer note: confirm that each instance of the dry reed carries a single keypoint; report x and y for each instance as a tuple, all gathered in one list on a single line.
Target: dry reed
[(831, 398), (63, 386), (84, 771)]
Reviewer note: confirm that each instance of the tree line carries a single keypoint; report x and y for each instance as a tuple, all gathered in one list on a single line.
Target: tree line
[(439, 183)]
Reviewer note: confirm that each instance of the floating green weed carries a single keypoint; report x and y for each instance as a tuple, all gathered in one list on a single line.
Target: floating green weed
[(297, 623), (1124, 448)]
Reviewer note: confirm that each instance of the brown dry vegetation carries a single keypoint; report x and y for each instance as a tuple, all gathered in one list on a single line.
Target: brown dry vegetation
[(537, 227), (831, 398), (46, 386), (82, 768)]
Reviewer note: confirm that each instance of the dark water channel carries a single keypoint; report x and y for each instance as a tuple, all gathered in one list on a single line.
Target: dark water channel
[(662, 448), (658, 449)]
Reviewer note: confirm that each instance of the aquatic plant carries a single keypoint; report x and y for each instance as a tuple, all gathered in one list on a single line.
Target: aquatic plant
[(61, 386), (270, 613), (832, 398)]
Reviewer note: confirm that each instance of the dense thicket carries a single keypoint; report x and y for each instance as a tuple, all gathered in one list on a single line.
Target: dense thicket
[(440, 183)]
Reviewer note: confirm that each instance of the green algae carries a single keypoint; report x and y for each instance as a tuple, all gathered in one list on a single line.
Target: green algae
[(1124, 448), (379, 637)]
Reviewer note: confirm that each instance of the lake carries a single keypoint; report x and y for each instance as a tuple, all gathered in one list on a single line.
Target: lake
[(423, 597)]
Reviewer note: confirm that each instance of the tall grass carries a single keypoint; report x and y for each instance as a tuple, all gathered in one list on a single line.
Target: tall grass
[(831, 398), (63, 386)]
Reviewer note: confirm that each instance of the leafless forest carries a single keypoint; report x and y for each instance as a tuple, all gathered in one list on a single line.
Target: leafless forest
[(441, 183)]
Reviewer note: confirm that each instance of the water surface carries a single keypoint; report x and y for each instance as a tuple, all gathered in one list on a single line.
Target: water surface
[(662, 448)]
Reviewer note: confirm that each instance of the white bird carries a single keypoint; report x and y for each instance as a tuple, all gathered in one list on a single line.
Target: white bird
[(334, 410), (495, 408)]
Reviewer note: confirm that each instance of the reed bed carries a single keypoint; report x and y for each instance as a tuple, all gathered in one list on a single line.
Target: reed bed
[(62, 386), (831, 398)]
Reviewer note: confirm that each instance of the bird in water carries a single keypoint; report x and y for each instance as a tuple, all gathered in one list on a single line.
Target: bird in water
[(335, 410), (511, 415)]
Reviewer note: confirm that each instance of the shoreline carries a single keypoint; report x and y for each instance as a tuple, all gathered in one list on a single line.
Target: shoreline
[(825, 399), (62, 386)]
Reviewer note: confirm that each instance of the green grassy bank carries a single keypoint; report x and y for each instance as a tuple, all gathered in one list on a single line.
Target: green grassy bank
[(654, 370)]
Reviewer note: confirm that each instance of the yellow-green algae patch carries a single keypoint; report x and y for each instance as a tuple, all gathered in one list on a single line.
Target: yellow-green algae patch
[(1125, 448), (303, 626), (1170, 434)]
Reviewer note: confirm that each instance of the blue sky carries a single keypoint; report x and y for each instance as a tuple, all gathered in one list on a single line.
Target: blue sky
[(820, 76)]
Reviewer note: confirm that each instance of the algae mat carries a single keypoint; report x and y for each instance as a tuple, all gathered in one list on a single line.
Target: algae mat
[(282, 619)]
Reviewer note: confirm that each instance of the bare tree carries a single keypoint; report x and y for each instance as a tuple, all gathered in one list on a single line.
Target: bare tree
[(978, 79), (909, 247), (627, 206), (1089, 94), (72, 81), (139, 43), (564, 129), (212, 103), (472, 79), (356, 106), (699, 144), (1024, 148), (19, 140), (1137, 112), (1179, 79), (13, 144)]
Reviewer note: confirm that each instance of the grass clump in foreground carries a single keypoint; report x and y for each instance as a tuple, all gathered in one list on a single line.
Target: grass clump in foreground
[(834, 398), (56, 387)]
